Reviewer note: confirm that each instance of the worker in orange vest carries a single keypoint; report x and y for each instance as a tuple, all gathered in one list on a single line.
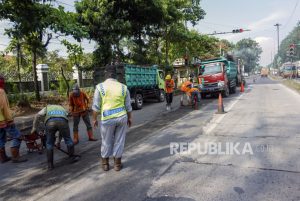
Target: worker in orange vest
[(169, 88), (79, 104), (8, 128), (188, 88)]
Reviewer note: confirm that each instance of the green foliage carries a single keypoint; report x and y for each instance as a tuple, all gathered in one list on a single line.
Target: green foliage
[(31, 22), (63, 85), (249, 52), (292, 38), (111, 22)]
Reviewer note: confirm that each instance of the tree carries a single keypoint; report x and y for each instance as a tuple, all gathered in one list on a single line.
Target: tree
[(283, 54), (15, 46), (249, 51), (111, 23), (33, 22), (75, 55)]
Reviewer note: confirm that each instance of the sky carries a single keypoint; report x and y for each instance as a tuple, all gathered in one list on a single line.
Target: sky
[(259, 16)]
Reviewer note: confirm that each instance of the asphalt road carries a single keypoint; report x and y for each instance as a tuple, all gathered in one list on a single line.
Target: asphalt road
[(266, 116), (30, 176)]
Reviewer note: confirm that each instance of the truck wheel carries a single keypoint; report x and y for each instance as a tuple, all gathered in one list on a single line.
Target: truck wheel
[(138, 102), (233, 90), (161, 96), (225, 93)]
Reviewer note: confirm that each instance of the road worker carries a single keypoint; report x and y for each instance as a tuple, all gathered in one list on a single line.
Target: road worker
[(112, 103), (78, 106), (8, 129), (56, 120), (189, 91), (169, 88)]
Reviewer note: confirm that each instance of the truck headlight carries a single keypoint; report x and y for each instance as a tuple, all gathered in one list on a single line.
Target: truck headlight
[(221, 84)]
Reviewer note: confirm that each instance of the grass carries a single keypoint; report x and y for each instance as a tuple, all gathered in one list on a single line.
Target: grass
[(292, 84)]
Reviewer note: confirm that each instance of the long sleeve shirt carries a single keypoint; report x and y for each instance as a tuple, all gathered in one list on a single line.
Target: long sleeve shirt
[(4, 109), (97, 101), (79, 103), (40, 116)]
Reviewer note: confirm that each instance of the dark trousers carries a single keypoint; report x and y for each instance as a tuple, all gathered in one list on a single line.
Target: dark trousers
[(169, 98), (197, 94), (61, 126), (86, 120)]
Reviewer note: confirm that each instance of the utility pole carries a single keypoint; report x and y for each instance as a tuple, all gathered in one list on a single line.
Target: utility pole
[(271, 59), (277, 27)]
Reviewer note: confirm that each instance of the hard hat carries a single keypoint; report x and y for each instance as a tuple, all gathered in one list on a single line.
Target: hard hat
[(76, 90), (168, 77)]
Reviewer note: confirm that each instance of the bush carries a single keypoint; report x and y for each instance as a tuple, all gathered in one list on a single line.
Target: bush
[(62, 89), (21, 100)]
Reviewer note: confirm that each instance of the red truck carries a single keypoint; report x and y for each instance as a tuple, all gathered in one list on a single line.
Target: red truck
[(219, 75)]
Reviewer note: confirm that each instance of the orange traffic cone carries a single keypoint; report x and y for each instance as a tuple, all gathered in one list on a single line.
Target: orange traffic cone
[(242, 87), (220, 105)]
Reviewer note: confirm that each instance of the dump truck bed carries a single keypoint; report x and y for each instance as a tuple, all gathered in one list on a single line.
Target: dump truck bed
[(133, 76)]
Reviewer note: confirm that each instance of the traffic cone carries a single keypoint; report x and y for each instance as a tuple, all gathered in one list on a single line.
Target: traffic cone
[(242, 87), (220, 105)]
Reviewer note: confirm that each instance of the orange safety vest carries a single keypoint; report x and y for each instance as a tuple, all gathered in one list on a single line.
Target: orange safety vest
[(170, 86), (185, 87), (79, 103)]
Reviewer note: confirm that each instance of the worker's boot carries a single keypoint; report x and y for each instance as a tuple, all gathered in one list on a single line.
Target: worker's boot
[(16, 155), (50, 159), (75, 137), (74, 158), (3, 157), (91, 136), (118, 164), (105, 164)]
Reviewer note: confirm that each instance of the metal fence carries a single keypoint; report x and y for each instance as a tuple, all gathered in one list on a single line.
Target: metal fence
[(28, 86)]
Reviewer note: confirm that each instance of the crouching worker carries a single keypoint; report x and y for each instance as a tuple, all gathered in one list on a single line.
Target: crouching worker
[(56, 120), (189, 91), (8, 129)]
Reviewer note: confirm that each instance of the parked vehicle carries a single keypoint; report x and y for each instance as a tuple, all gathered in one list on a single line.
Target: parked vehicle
[(289, 70), (297, 65), (264, 72), (219, 76), (142, 81)]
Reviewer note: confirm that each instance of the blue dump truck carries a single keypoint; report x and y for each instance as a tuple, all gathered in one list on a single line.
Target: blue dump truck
[(142, 81)]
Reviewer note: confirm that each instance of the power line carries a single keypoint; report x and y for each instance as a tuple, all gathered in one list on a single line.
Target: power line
[(223, 25), (65, 4), (294, 10)]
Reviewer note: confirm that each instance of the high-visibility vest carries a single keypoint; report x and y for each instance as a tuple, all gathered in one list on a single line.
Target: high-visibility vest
[(112, 99), (55, 111), (184, 86)]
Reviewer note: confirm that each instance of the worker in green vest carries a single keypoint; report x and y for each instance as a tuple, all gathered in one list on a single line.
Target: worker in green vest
[(56, 120), (112, 103)]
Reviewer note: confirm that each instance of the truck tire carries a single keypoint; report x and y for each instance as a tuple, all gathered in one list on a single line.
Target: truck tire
[(225, 93), (138, 102), (161, 96), (233, 90)]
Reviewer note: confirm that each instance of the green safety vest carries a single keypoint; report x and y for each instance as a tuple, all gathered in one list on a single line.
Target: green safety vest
[(55, 111), (112, 99)]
